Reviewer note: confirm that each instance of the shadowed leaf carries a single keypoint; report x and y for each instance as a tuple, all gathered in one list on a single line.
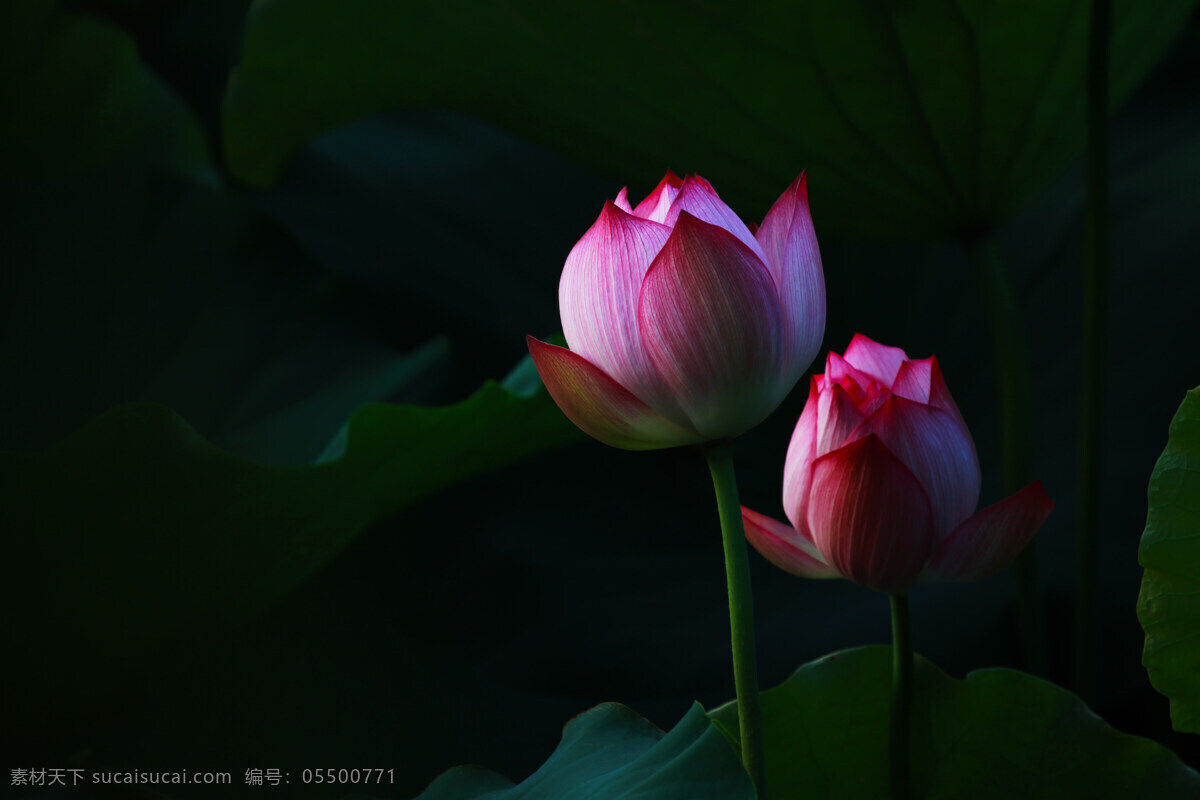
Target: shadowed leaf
[(915, 119), (1169, 603), (998, 734), (611, 753)]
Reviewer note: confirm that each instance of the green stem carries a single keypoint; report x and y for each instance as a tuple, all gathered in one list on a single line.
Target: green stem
[(902, 662), (1013, 369), (1095, 288), (741, 611)]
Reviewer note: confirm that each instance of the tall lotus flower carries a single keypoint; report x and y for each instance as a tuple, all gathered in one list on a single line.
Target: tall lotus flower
[(881, 482), (684, 326)]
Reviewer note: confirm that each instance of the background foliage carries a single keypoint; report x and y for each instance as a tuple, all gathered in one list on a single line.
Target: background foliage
[(266, 257)]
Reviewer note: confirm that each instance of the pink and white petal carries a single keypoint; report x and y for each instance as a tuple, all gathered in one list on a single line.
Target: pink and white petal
[(774, 232), (922, 381), (656, 204), (600, 406), (790, 244), (939, 396), (837, 368), (710, 322), (784, 547), (797, 465), (869, 516), (598, 302), (698, 198), (939, 452), (939, 392), (838, 418), (912, 381), (877, 360), (877, 394), (622, 201), (991, 539)]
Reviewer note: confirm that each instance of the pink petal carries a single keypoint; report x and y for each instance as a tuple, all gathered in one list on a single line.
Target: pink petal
[(776, 227), (938, 450), (622, 201), (790, 244), (600, 406), (829, 418), (922, 381), (698, 198), (658, 203), (797, 466), (784, 547), (991, 539), (912, 381), (837, 368), (710, 322), (598, 302), (870, 517), (877, 360), (837, 417)]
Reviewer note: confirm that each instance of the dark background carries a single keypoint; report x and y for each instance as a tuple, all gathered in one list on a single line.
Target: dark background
[(469, 626)]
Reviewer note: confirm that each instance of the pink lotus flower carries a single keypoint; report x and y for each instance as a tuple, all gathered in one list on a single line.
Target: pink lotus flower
[(683, 326), (881, 480)]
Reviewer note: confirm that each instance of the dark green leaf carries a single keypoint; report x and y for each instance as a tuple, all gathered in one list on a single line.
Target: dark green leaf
[(300, 432), (1169, 603), (608, 753), (919, 119), (998, 734), (135, 525), (77, 98), (186, 297), (464, 226)]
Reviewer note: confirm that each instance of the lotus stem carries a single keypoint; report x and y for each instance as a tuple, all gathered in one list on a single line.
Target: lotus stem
[(741, 612), (902, 663)]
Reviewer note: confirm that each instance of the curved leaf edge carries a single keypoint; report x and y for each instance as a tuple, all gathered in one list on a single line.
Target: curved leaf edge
[(616, 753), (1144, 749), (1169, 597)]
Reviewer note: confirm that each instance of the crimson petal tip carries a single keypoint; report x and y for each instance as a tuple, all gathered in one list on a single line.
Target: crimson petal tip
[(599, 405), (784, 547)]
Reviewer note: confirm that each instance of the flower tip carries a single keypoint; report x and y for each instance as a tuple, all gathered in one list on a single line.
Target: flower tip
[(800, 185), (536, 347), (622, 200), (1038, 490), (700, 183), (882, 362), (686, 218), (694, 229), (862, 340), (612, 212)]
